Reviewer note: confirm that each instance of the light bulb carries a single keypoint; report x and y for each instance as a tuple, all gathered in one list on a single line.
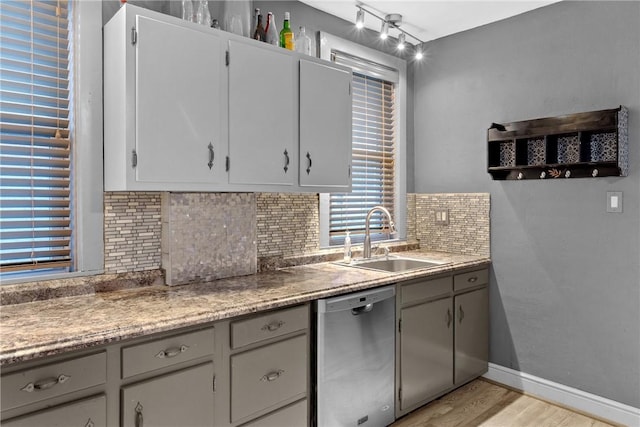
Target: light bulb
[(419, 54), (384, 31), (401, 41), (360, 19)]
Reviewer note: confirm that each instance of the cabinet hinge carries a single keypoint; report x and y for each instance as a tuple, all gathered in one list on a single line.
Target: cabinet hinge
[(134, 158), (214, 383), (227, 58), (134, 35), (227, 164)]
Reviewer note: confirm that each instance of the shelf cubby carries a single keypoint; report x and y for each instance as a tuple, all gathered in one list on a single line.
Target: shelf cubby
[(591, 144)]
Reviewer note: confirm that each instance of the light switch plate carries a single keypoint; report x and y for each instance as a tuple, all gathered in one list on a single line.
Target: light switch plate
[(614, 201)]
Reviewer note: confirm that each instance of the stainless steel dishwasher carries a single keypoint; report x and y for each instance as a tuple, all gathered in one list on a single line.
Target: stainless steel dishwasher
[(355, 359)]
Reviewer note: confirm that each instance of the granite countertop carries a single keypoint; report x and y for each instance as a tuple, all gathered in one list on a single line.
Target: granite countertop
[(43, 328)]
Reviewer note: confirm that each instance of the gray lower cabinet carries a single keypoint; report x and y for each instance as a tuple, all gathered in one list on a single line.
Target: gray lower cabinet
[(183, 398), (471, 335), (292, 415), (443, 336), (86, 413), (426, 351)]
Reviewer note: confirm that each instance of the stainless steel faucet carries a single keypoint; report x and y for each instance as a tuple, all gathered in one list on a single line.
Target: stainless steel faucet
[(366, 252)]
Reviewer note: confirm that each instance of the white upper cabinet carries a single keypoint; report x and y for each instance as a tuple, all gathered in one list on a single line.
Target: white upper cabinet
[(263, 114), (325, 126), (178, 105), (190, 108)]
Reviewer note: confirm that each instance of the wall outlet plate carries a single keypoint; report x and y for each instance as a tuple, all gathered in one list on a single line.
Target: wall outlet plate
[(614, 201), (442, 216)]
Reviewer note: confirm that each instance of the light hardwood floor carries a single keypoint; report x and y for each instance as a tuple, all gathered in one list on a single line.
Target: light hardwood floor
[(481, 403)]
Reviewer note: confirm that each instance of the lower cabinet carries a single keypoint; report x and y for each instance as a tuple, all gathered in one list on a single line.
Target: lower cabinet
[(183, 398), (292, 415), (443, 337), (86, 413)]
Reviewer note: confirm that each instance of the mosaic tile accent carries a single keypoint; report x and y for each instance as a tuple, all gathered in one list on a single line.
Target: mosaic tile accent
[(207, 236), (132, 231), (623, 141), (507, 154), (411, 217), (536, 152), (604, 147), (568, 149), (468, 231), (287, 224)]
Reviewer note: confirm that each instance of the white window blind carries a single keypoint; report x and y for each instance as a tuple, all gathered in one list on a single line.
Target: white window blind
[(373, 177), (35, 210)]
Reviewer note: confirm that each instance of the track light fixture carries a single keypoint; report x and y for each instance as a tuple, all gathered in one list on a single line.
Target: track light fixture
[(360, 19), (391, 21)]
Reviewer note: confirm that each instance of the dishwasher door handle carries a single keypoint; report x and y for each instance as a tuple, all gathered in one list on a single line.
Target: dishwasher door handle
[(364, 309)]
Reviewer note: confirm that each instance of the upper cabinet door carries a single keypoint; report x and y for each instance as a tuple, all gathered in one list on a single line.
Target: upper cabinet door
[(325, 126), (179, 104), (263, 115)]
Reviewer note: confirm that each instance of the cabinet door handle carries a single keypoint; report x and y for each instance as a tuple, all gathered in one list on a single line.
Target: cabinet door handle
[(448, 317), (272, 376), (45, 384), (460, 314), (310, 163), (472, 279), (139, 417), (286, 161), (273, 326), (212, 156), (171, 352)]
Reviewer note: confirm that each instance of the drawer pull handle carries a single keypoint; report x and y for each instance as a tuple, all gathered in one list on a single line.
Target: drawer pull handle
[(472, 279), (139, 417), (460, 314), (272, 376), (46, 383), (448, 317), (273, 326), (172, 352), (90, 423)]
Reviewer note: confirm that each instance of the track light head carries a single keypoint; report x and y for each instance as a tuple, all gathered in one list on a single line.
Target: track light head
[(419, 52), (360, 19), (401, 41), (384, 31)]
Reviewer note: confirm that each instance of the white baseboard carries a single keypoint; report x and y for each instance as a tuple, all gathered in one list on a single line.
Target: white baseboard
[(601, 407)]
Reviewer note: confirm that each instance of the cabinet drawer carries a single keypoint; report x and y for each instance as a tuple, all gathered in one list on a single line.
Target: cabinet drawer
[(424, 289), (33, 385), (90, 412), (269, 325), (469, 280), (292, 415), (163, 352), (266, 376)]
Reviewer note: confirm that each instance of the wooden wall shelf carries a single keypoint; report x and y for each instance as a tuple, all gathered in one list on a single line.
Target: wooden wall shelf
[(582, 145)]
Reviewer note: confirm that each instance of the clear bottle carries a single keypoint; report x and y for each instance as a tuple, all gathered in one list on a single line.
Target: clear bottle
[(271, 32), (303, 42), (203, 17), (187, 10), (286, 35), (347, 248), (259, 33)]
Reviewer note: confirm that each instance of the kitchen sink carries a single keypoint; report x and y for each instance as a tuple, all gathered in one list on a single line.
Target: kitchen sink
[(394, 265)]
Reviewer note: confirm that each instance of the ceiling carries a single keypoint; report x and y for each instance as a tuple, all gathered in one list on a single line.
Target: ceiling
[(430, 19)]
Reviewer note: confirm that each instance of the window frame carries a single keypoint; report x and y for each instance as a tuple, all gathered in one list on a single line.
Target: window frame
[(87, 197), (329, 44)]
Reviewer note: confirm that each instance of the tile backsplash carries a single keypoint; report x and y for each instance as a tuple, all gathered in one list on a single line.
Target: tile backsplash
[(205, 236)]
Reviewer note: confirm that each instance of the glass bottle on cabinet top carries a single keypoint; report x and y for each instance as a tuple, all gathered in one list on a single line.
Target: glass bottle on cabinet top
[(286, 35), (259, 33), (187, 10), (271, 32), (303, 42)]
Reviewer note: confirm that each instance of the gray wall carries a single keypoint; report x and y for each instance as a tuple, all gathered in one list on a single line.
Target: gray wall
[(565, 288)]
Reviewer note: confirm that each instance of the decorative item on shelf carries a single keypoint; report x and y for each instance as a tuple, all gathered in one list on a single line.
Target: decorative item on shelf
[(271, 32), (286, 35), (507, 154), (555, 173), (303, 42), (203, 16), (604, 147), (536, 152), (235, 16), (258, 32), (568, 149), (187, 10)]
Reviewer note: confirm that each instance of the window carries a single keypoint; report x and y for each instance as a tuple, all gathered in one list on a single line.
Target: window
[(35, 211), (377, 150), (51, 217)]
